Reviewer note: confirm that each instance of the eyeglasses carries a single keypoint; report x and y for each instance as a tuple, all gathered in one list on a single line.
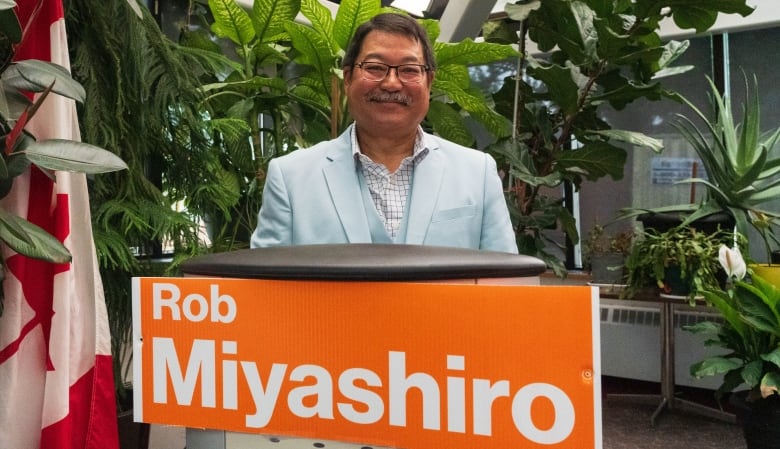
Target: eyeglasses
[(406, 73)]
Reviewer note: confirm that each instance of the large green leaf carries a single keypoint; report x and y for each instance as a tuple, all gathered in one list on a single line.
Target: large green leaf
[(449, 124), (9, 24), (612, 43), (773, 357), (567, 25), (251, 85), (69, 155), (456, 74), (270, 16), (561, 83), (231, 129), (476, 106), (713, 366), (468, 52), (752, 372), (30, 240), (701, 14), (671, 51), (320, 17), (350, 15), (35, 76), (520, 12), (312, 97), (269, 55), (595, 160), (500, 32), (632, 137), (620, 93), (725, 6), (315, 52), (432, 28), (645, 8), (698, 18), (523, 173), (314, 49), (231, 21), (584, 18)]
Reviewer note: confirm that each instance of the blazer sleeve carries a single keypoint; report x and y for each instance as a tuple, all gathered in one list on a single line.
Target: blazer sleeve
[(497, 231), (274, 221)]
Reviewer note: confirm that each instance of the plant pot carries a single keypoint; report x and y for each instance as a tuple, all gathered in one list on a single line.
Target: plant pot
[(607, 268), (132, 435), (664, 222), (770, 273), (760, 420), (674, 284)]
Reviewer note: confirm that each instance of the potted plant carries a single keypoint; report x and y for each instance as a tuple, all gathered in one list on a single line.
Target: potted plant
[(605, 255), (681, 261), (750, 334), (592, 56), (20, 149), (741, 163)]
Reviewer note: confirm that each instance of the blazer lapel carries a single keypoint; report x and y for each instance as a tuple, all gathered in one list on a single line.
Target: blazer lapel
[(426, 184), (344, 188)]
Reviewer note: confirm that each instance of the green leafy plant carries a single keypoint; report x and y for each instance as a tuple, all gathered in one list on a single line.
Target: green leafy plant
[(749, 332), (605, 253), (592, 54), (657, 259), (599, 241), (292, 71), (20, 149), (741, 163), (279, 86), (144, 104)]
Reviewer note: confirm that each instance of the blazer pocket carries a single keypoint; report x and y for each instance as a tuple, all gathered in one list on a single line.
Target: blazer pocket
[(455, 213)]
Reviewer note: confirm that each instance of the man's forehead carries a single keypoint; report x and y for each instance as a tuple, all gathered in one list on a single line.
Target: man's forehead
[(377, 45)]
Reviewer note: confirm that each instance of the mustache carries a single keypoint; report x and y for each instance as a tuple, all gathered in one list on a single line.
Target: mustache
[(389, 97)]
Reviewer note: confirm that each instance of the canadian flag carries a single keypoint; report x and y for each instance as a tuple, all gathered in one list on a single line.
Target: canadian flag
[(56, 380)]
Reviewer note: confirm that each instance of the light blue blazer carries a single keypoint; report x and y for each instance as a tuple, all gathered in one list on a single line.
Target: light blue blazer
[(315, 196)]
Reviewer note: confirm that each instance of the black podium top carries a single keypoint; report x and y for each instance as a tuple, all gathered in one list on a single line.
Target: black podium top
[(363, 262)]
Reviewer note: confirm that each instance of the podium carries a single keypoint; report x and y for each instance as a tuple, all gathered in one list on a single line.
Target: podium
[(369, 262), (361, 345)]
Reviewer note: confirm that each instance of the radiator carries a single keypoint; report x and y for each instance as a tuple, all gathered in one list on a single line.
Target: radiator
[(631, 342)]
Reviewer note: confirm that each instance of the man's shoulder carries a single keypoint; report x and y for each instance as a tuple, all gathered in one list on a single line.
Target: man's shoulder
[(449, 148), (319, 151)]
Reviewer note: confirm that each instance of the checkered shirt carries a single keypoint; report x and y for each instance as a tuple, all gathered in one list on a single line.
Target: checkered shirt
[(389, 191)]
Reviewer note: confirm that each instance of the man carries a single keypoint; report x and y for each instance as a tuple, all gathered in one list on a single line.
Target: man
[(384, 180)]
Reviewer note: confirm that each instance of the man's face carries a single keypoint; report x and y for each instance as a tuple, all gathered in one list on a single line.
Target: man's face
[(388, 106)]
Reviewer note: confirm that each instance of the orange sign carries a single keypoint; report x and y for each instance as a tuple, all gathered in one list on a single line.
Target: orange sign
[(392, 364)]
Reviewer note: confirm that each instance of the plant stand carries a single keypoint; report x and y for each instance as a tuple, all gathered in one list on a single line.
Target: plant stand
[(667, 398)]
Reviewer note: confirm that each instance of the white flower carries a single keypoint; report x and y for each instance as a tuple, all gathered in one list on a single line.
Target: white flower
[(731, 260)]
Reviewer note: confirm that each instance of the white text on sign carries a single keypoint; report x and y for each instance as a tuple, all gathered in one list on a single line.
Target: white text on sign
[(204, 359)]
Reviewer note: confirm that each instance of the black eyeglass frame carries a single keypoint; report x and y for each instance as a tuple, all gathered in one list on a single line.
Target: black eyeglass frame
[(425, 69)]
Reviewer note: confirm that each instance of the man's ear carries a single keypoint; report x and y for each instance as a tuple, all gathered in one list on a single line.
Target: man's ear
[(347, 71)]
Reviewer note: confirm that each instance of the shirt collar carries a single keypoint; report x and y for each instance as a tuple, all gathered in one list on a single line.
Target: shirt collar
[(421, 144)]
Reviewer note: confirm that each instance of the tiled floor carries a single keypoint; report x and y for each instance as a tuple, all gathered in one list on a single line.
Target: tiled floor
[(627, 427), (626, 424)]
